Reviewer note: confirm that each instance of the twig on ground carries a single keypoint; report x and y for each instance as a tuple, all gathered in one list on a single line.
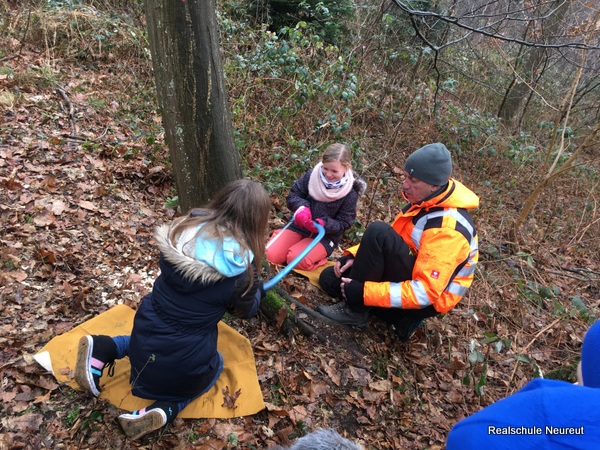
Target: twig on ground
[(70, 110), (566, 275), (543, 330), (578, 270), (311, 312), (307, 329)]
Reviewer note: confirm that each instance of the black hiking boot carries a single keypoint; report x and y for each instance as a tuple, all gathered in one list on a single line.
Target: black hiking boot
[(341, 313)]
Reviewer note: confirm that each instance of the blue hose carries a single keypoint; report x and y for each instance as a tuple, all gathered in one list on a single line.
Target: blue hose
[(287, 269)]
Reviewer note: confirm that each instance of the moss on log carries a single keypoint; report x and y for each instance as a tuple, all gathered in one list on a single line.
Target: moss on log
[(276, 309)]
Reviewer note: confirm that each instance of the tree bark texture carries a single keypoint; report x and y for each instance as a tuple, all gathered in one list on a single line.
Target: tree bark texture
[(192, 97)]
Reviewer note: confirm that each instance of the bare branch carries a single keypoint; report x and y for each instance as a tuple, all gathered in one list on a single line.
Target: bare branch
[(461, 23)]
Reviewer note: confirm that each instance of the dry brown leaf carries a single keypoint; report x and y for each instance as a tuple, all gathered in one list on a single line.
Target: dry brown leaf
[(17, 275), (282, 314), (272, 347), (11, 184), (381, 385), (278, 410), (373, 396), (333, 375), (224, 429), (7, 396), (58, 207), (27, 422), (299, 413), (361, 377), (318, 389), (229, 400), (87, 205), (455, 396), (44, 218)]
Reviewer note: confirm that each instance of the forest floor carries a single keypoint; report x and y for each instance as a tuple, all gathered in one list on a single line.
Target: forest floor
[(82, 186)]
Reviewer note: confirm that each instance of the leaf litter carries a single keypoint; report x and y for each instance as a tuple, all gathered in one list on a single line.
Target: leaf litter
[(77, 239)]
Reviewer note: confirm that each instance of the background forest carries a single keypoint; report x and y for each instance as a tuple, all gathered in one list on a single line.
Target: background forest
[(511, 87)]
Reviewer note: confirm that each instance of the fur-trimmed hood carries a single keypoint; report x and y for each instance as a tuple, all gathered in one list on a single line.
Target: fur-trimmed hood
[(190, 268)]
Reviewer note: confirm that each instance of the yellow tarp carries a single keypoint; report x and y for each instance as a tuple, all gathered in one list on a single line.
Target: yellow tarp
[(313, 275), (239, 372)]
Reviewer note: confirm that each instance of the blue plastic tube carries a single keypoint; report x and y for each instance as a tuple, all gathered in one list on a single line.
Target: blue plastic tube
[(287, 269)]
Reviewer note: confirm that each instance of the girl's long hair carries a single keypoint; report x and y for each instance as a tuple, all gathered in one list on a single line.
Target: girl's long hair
[(239, 210)]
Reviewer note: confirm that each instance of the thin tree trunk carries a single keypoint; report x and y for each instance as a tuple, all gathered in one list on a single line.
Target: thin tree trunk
[(533, 66)]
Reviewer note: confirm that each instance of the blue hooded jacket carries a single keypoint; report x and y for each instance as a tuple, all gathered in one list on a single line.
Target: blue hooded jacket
[(544, 414)]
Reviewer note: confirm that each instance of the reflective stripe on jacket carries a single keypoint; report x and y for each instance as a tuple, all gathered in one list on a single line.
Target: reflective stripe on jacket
[(441, 233)]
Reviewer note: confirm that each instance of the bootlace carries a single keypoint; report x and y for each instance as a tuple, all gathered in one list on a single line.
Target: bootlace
[(111, 368), (339, 307)]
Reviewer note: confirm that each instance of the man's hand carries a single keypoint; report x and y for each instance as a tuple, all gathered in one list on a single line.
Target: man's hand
[(352, 290), (342, 286), (342, 264)]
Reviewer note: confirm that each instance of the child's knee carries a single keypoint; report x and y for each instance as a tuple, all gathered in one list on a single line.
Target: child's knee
[(307, 263), (304, 264), (277, 250), (275, 255)]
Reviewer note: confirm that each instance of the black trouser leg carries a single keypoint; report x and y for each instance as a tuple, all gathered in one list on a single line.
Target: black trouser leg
[(382, 256), (394, 315), (330, 283)]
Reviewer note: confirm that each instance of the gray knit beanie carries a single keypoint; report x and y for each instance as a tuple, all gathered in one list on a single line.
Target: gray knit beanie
[(431, 164)]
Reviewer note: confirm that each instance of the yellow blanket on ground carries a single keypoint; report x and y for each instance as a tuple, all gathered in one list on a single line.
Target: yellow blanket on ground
[(239, 372), (313, 275)]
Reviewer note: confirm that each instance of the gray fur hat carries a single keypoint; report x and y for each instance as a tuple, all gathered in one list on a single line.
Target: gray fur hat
[(431, 163), (324, 439)]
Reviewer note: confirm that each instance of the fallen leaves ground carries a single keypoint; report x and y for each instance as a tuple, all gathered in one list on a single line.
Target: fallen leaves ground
[(82, 187)]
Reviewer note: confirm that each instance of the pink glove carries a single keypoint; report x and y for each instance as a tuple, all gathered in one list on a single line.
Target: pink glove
[(303, 217), (311, 226)]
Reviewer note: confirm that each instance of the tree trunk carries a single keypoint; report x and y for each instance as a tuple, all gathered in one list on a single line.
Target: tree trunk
[(516, 94), (191, 93)]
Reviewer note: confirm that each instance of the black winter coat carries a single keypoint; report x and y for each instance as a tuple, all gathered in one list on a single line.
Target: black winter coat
[(173, 346)]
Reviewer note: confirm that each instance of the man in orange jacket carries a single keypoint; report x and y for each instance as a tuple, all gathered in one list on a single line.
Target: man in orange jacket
[(421, 265)]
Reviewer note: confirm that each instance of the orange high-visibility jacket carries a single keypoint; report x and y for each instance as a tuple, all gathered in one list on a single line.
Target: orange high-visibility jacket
[(441, 233)]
